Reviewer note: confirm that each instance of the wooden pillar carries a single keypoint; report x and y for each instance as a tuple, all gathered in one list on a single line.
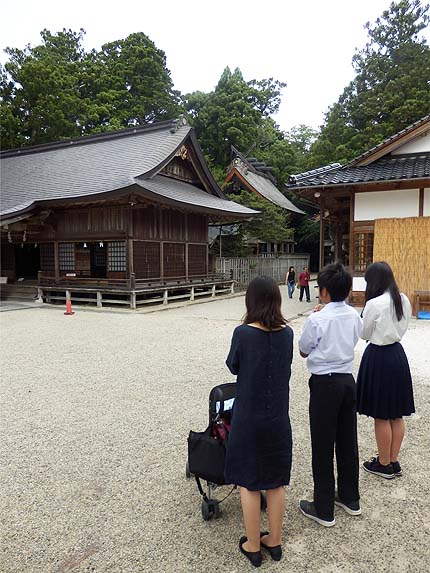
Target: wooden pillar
[(186, 261), (421, 203), (56, 262), (321, 262), (130, 262), (351, 233), (161, 260), (133, 300)]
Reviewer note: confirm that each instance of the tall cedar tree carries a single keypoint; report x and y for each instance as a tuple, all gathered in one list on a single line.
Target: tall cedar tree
[(390, 90), (56, 90)]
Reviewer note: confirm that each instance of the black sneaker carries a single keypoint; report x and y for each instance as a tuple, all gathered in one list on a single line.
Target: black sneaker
[(374, 467), (308, 509), (397, 469), (352, 507)]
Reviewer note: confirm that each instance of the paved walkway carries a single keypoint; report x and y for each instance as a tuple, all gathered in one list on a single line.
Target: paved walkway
[(95, 413)]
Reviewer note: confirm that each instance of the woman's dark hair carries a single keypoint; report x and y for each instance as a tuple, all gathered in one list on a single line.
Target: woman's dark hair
[(291, 269), (337, 280), (263, 303), (379, 278)]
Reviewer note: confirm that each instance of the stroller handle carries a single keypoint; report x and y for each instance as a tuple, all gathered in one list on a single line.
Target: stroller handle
[(218, 396)]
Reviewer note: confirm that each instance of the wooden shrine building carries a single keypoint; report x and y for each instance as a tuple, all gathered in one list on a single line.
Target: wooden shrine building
[(256, 177), (377, 207), (124, 213)]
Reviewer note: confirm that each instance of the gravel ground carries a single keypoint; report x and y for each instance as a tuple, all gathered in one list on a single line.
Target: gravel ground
[(95, 413)]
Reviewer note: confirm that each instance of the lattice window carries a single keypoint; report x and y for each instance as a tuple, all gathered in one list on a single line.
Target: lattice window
[(66, 256), (117, 256), (47, 257), (363, 251), (197, 258), (174, 260), (146, 259)]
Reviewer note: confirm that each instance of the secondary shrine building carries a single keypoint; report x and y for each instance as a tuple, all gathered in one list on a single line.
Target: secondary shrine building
[(126, 210), (377, 208)]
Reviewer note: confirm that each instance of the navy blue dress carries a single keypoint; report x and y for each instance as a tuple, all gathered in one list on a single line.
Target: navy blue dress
[(259, 447)]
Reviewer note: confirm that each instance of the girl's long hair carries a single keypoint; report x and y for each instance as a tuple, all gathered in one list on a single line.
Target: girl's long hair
[(379, 278), (263, 303)]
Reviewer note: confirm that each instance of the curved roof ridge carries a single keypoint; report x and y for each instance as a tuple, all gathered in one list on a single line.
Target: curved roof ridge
[(171, 124)]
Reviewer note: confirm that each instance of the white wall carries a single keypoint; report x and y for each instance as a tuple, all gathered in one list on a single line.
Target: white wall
[(386, 204), (426, 211), (416, 145), (358, 284)]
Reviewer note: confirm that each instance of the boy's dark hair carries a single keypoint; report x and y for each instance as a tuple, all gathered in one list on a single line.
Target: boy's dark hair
[(263, 303), (337, 280)]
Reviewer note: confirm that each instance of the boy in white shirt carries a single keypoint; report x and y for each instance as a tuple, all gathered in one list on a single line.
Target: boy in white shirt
[(328, 341)]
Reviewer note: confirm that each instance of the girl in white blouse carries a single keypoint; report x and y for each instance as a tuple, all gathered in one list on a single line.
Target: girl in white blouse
[(384, 383)]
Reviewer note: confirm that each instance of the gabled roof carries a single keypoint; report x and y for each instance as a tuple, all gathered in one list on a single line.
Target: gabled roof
[(96, 165), (389, 168), (179, 193), (393, 142), (382, 163), (260, 184)]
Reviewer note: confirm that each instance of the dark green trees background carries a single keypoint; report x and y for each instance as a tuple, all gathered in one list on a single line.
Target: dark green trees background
[(57, 90)]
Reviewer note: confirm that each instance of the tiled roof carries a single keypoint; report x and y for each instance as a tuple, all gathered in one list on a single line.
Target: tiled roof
[(183, 194), (397, 136), (98, 164), (264, 186), (387, 168)]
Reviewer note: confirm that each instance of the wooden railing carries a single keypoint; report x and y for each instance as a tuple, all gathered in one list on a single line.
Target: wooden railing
[(132, 292)]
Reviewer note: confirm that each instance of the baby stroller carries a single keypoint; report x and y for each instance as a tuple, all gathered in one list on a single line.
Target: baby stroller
[(206, 450)]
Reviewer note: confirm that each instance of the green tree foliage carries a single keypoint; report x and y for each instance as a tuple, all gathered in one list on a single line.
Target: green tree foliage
[(273, 223), (390, 90), (56, 90), (233, 114)]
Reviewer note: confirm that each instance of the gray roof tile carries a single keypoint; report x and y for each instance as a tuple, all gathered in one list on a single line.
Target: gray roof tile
[(264, 186), (83, 167), (388, 168), (182, 193), (99, 164)]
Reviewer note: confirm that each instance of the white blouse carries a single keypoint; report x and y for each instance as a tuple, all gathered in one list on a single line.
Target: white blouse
[(380, 324)]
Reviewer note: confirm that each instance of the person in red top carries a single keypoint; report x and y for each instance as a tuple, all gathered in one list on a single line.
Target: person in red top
[(304, 278)]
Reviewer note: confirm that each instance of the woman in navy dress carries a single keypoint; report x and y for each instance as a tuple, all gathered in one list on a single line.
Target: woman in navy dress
[(259, 448)]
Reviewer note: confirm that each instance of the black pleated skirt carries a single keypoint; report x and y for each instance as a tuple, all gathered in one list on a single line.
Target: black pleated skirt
[(384, 383)]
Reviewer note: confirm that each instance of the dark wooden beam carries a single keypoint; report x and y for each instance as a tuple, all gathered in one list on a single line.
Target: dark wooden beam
[(321, 235), (351, 233), (56, 261), (421, 203)]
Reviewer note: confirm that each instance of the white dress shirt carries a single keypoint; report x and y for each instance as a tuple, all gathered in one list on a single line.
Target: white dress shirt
[(329, 338), (380, 324)]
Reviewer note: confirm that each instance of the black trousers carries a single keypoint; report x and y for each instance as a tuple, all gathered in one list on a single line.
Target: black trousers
[(333, 421), (308, 294)]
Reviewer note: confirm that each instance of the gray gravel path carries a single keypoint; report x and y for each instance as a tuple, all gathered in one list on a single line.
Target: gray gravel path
[(95, 413)]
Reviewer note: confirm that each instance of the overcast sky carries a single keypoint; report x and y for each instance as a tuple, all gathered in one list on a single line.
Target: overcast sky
[(308, 45)]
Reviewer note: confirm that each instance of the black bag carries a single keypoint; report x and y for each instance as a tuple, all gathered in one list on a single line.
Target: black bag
[(206, 456)]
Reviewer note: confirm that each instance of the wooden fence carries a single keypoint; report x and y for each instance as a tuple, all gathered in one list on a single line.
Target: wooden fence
[(405, 245), (244, 269)]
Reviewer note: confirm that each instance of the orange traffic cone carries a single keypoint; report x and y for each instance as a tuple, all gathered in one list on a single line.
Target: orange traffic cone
[(69, 307)]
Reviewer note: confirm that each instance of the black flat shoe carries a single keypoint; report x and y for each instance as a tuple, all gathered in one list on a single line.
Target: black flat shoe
[(255, 557), (275, 551)]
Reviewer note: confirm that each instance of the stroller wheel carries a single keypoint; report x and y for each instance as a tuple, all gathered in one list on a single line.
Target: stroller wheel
[(263, 501), (187, 470), (210, 508), (206, 513), (216, 509)]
